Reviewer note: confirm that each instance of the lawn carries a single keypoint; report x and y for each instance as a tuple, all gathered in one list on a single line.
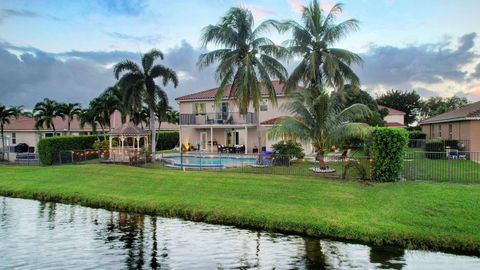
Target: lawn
[(409, 214)]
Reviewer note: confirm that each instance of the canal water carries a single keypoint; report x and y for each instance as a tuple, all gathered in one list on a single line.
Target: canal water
[(42, 235)]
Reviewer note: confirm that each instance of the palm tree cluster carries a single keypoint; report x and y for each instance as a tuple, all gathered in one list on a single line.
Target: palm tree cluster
[(248, 61), (6, 114)]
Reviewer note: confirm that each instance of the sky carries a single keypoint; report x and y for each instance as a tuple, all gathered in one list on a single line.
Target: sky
[(65, 50)]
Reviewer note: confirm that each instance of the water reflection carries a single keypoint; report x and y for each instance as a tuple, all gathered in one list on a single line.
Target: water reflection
[(56, 236)]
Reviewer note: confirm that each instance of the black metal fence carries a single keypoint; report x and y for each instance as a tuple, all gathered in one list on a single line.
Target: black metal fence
[(448, 166)]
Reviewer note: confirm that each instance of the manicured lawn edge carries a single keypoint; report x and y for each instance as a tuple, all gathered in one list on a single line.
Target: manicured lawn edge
[(222, 215)]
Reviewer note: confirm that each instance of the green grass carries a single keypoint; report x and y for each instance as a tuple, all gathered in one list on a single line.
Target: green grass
[(441, 170), (410, 214)]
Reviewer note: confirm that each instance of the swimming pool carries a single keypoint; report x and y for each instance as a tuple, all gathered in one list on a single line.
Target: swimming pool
[(209, 161)]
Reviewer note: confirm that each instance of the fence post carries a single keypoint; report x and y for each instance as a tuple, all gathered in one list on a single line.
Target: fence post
[(181, 159), (449, 169), (71, 155), (60, 157)]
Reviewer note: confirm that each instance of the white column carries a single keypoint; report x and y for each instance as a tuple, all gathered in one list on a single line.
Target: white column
[(110, 142), (180, 138), (246, 140), (211, 139)]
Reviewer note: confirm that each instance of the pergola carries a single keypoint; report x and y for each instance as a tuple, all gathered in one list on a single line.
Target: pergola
[(123, 133)]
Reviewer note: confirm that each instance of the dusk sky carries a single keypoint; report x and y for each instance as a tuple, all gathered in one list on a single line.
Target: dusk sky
[(65, 49)]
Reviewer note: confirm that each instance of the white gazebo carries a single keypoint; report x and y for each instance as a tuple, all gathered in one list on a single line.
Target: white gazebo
[(129, 137)]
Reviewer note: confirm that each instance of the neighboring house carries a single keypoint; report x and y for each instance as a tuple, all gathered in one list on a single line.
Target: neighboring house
[(22, 130), (462, 124), (394, 118), (206, 124)]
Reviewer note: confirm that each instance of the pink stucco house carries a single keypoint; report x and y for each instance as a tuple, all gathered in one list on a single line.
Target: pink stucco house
[(207, 124)]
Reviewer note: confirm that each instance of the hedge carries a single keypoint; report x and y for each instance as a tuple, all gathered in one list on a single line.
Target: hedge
[(167, 140), (388, 148), (436, 148), (48, 148)]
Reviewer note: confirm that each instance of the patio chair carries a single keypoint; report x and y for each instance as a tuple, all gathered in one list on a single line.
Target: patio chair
[(453, 154), (210, 120)]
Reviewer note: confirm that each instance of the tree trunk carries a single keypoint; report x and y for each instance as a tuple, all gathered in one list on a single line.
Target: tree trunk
[(159, 126), (321, 159), (69, 133), (259, 135), (154, 130), (3, 144)]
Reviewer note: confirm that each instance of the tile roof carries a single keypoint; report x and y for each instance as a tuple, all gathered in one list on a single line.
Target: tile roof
[(128, 129), (26, 123), (272, 121), (210, 93), (468, 112), (391, 111)]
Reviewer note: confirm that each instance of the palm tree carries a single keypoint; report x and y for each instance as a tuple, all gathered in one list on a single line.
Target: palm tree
[(5, 115), (139, 83), (172, 116), (117, 99), (140, 116), (45, 112), (316, 119), (312, 40), (70, 111), (161, 112), (90, 117), (247, 61)]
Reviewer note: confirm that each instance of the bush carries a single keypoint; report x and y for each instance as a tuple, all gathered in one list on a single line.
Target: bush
[(49, 148), (436, 148), (104, 144), (388, 148), (167, 140), (417, 139), (288, 150)]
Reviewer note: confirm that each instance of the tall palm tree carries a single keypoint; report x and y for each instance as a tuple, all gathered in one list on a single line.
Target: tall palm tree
[(125, 107), (247, 61), (317, 119), (69, 111), (161, 112), (312, 40), (5, 115), (139, 83), (45, 112), (103, 106)]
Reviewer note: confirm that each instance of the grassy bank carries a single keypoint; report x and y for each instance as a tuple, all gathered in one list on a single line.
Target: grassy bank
[(409, 214)]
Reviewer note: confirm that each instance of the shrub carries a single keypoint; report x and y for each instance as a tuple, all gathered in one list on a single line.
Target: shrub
[(167, 140), (436, 148), (49, 148), (416, 139), (388, 148), (288, 150), (104, 144)]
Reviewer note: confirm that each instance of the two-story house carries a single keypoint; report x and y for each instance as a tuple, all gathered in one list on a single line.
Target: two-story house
[(206, 124)]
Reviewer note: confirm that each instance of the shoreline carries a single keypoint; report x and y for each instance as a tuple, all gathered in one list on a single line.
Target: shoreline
[(219, 214)]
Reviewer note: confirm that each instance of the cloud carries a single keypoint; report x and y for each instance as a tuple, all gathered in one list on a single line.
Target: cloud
[(426, 67), (148, 39), (123, 7), (28, 74), (258, 12), (297, 5), (476, 73), (10, 13)]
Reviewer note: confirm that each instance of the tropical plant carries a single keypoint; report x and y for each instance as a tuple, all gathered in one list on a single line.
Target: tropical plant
[(88, 117), (318, 120), (247, 61), (140, 116), (321, 64), (138, 83), (116, 97), (45, 112), (172, 116), (69, 111), (5, 115), (161, 112)]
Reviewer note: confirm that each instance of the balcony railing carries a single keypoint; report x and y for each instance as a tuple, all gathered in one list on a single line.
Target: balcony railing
[(226, 118)]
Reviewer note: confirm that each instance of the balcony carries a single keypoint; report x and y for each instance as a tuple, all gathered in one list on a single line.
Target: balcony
[(226, 118)]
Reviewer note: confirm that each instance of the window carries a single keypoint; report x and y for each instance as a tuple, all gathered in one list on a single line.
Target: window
[(199, 108), (51, 134), (450, 135), (14, 138), (264, 105)]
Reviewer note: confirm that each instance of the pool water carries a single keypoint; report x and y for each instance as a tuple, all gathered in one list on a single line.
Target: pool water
[(211, 162)]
